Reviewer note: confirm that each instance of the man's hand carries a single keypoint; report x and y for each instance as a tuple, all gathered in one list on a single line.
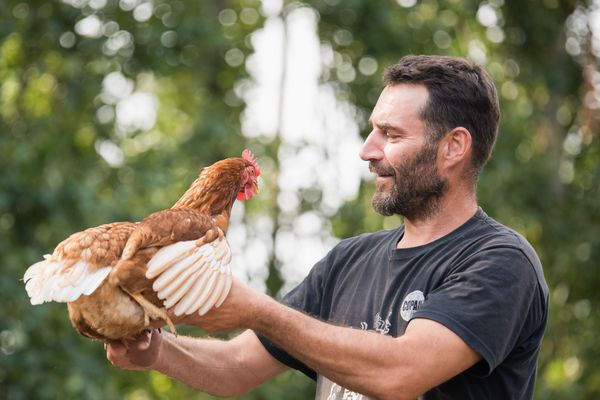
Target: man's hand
[(236, 313), (139, 354)]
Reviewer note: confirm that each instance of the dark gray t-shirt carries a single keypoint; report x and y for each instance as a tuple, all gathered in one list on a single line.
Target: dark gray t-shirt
[(483, 281)]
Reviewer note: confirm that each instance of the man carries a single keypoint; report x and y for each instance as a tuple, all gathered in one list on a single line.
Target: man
[(450, 305)]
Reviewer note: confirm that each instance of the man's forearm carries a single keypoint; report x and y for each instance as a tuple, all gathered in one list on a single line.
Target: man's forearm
[(210, 365), (359, 360), (376, 365)]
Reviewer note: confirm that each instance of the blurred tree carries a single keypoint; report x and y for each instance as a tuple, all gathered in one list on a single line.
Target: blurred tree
[(108, 111)]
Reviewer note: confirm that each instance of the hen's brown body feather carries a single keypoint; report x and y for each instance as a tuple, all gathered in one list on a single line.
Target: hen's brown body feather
[(114, 310), (110, 312)]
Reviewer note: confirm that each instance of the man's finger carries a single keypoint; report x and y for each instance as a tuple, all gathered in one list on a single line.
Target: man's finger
[(143, 341), (115, 348)]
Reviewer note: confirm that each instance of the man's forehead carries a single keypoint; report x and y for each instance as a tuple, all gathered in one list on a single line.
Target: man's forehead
[(399, 99)]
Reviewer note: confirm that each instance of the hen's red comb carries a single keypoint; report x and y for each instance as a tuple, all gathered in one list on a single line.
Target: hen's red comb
[(247, 155)]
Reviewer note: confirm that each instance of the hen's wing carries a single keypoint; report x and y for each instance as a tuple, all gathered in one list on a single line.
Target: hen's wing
[(190, 271), (78, 265), (194, 275)]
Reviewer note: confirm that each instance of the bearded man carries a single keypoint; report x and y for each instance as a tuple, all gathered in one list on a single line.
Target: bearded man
[(449, 305)]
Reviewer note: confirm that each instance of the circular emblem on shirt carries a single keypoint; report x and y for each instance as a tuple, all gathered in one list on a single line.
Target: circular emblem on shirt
[(411, 304)]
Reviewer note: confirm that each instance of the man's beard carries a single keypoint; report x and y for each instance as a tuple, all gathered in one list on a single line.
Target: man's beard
[(417, 190)]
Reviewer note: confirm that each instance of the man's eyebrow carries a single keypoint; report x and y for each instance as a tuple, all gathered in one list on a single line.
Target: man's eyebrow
[(386, 126)]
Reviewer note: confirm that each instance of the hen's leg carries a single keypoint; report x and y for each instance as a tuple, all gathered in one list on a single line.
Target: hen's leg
[(130, 276), (151, 311)]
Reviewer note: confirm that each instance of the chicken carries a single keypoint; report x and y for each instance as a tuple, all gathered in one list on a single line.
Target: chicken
[(119, 278)]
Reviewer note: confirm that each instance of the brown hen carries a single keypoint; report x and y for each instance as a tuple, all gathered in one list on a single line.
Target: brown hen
[(119, 278)]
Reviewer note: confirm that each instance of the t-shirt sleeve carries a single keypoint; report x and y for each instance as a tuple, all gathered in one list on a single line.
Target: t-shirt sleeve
[(305, 297), (486, 301)]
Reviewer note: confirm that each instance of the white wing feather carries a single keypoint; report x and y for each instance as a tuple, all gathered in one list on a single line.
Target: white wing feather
[(54, 280), (167, 256), (192, 278)]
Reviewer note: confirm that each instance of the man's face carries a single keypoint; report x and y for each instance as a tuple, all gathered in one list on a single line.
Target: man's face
[(408, 182)]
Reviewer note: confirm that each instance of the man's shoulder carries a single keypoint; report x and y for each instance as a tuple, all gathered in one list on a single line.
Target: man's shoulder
[(496, 234), (501, 239)]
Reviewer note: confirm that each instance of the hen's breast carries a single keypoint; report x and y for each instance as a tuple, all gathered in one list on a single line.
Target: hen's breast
[(107, 313)]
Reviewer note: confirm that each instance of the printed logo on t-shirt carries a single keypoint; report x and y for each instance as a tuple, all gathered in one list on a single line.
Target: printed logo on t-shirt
[(412, 302), (380, 325), (337, 392)]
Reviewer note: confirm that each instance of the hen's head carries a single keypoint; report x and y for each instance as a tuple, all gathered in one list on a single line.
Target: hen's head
[(219, 185), (250, 174)]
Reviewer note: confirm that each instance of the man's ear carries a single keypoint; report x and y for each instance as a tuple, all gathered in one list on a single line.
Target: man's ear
[(455, 147)]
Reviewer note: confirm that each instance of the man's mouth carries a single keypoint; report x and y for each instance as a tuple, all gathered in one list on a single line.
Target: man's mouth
[(381, 171), (384, 179)]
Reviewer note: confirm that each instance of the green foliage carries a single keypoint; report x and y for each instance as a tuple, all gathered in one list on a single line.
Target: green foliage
[(54, 182), (55, 117)]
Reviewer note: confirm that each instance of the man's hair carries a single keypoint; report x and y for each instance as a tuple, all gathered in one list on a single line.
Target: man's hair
[(461, 93)]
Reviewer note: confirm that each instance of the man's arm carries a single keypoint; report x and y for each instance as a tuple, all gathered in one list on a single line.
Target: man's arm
[(369, 363), (220, 368)]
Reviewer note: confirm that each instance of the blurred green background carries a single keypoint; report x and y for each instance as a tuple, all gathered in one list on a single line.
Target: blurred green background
[(108, 109)]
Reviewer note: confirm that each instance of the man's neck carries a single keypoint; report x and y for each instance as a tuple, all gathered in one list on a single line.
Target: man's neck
[(453, 212)]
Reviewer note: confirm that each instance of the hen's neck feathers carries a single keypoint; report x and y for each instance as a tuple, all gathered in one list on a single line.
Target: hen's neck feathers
[(215, 190)]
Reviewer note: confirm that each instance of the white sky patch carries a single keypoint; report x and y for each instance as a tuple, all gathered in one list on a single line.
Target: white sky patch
[(110, 152), (319, 136), (90, 26), (251, 245), (260, 119), (97, 4), (118, 41), (115, 87), (271, 8), (406, 3), (477, 52), (594, 23), (133, 110), (143, 12), (301, 90), (75, 3), (486, 15), (136, 112)]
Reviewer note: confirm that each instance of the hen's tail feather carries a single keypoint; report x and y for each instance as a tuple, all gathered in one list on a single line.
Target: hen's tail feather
[(62, 280), (192, 276)]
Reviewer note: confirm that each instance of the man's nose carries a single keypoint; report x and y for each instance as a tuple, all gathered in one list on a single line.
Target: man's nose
[(372, 148)]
